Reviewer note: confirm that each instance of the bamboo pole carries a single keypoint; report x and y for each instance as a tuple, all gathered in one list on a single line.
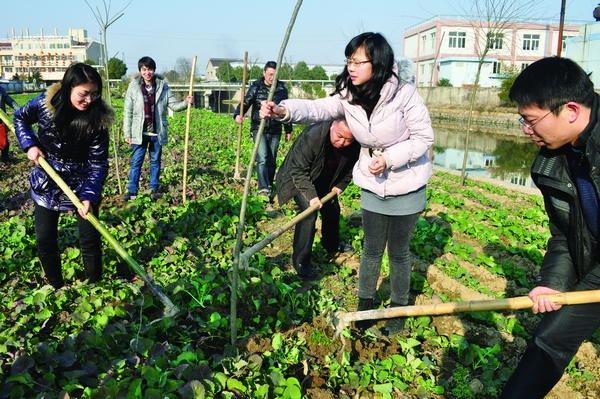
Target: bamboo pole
[(187, 129), (341, 320), (240, 229), (170, 308), (116, 142), (268, 239), (236, 175)]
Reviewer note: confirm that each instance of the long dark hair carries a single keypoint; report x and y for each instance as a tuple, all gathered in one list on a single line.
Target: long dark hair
[(381, 55), (72, 123)]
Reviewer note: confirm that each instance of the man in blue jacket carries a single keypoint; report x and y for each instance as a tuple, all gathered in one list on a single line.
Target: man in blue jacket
[(559, 111), (320, 160), (266, 157)]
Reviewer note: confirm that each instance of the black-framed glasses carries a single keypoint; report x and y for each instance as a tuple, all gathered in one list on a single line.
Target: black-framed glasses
[(530, 126), (351, 62), (90, 96)]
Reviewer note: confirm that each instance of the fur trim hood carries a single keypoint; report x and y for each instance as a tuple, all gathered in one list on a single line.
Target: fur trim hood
[(108, 113)]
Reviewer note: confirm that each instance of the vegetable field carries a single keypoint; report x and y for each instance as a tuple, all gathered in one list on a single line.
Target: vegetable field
[(108, 340)]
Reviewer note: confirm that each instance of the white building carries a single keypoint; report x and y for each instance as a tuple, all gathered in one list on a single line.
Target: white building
[(584, 49), (51, 55), (448, 47)]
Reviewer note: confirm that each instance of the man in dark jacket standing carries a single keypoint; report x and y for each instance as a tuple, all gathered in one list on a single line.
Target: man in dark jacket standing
[(321, 160), (266, 157), (559, 111)]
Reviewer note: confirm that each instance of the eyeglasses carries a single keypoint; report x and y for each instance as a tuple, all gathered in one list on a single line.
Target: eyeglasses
[(530, 126), (91, 96), (351, 62)]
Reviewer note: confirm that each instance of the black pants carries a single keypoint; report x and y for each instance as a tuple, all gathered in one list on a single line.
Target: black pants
[(554, 343), (46, 230), (304, 235)]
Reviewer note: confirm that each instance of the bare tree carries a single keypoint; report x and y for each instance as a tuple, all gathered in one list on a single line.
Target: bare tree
[(183, 67), (490, 21), (104, 20)]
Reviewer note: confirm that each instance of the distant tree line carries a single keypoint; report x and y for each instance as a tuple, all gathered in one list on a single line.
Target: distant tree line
[(301, 71)]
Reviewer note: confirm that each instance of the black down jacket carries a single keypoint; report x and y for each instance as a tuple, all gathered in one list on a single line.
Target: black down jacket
[(257, 93)]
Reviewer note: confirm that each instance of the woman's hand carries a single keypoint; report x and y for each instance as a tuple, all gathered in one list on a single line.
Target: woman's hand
[(377, 165), (34, 153), (543, 305), (86, 208), (269, 110)]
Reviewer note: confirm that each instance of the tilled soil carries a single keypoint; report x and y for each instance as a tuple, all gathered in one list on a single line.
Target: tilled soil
[(512, 347)]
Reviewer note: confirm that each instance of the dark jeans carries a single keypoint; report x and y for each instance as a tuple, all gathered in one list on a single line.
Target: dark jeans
[(152, 144), (554, 343), (396, 232), (304, 234), (46, 231), (266, 159)]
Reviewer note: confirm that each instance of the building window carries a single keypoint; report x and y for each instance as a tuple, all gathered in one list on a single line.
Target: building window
[(423, 42), (564, 43), (495, 40), (432, 42), (496, 67), (524, 65), (457, 40), (52, 45), (531, 42)]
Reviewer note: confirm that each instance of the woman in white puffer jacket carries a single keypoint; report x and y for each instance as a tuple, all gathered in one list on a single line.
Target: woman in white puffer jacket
[(389, 119)]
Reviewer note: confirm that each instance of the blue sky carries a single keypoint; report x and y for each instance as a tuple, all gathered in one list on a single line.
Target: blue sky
[(167, 30)]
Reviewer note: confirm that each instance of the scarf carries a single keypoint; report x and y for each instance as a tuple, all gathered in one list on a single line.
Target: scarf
[(149, 92)]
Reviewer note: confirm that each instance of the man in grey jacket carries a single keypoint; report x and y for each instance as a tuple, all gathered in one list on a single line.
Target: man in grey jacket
[(145, 123), (320, 160)]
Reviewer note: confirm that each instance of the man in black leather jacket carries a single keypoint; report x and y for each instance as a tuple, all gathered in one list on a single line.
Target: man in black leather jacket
[(559, 111), (321, 160), (266, 157)]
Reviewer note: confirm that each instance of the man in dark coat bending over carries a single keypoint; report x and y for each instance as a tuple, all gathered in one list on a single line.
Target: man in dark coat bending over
[(320, 160)]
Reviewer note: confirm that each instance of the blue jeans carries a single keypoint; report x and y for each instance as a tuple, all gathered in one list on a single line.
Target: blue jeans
[(137, 159), (395, 232), (266, 159), (304, 234), (554, 343)]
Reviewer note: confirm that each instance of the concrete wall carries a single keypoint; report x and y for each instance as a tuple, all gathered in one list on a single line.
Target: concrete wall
[(460, 96)]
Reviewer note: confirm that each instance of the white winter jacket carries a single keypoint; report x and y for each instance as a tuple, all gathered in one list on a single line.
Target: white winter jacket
[(133, 110), (399, 128)]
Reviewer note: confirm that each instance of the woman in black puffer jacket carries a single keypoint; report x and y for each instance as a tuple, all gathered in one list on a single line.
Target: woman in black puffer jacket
[(73, 124)]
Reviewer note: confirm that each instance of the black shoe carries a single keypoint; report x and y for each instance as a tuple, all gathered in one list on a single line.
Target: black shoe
[(155, 194), (304, 271), (343, 247), (129, 196), (395, 325), (364, 304)]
